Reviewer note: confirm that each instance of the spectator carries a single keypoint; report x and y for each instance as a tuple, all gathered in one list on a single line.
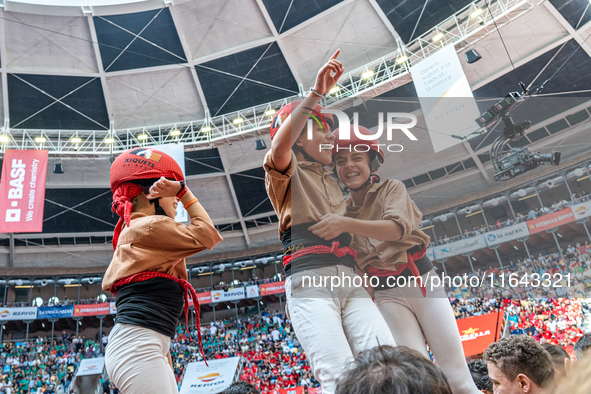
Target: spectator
[(479, 373), (532, 214), (561, 360), (582, 346), (241, 388), (519, 364), (578, 381), (387, 369)]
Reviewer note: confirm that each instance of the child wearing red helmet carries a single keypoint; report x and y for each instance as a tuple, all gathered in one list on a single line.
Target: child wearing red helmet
[(385, 225), (333, 324), (148, 273)]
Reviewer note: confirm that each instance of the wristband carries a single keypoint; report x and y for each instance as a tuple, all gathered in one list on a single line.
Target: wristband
[(183, 190), (317, 94), (191, 202)]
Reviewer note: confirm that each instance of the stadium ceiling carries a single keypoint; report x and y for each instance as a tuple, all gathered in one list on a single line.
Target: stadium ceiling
[(88, 81)]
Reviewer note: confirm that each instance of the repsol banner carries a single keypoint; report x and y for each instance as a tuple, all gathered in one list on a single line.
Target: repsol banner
[(237, 293), (29, 313), (507, 234), (22, 191), (201, 379), (55, 312), (459, 247), (582, 211)]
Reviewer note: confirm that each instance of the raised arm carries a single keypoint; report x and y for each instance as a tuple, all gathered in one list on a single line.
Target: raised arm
[(292, 127)]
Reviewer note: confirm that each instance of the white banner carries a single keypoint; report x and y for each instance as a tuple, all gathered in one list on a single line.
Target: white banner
[(430, 254), (177, 152), (29, 313), (582, 210), (507, 234), (228, 295), (445, 97), (91, 366), (200, 379), (252, 291), (463, 246)]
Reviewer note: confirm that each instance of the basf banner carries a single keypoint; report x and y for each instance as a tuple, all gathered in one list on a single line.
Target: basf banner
[(29, 313), (92, 309), (477, 332), (91, 366), (55, 312), (200, 379), (582, 211), (462, 246), (550, 220), (22, 191), (445, 97), (507, 234), (273, 288)]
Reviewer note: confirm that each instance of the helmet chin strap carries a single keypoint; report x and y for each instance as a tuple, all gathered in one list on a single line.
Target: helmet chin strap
[(373, 178)]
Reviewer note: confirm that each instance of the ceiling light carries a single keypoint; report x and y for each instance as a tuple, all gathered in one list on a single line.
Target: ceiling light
[(270, 112), (334, 90), (174, 133), (40, 140), (76, 140), (206, 129), (476, 13), (367, 74), (559, 235), (142, 137), (516, 248), (438, 37), (109, 140), (238, 121), (473, 258), (4, 138), (401, 59)]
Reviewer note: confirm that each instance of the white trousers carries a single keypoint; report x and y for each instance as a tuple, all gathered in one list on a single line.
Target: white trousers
[(414, 319), (136, 361), (333, 326)]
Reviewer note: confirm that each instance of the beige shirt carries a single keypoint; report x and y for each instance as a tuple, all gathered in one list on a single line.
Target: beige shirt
[(387, 200), (304, 193), (158, 243)]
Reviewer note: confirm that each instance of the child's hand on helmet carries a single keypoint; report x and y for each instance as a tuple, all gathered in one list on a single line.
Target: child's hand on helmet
[(329, 74), (164, 188), (330, 226)]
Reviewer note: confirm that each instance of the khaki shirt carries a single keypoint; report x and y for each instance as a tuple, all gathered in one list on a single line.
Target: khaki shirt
[(158, 243), (304, 193), (387, 200)]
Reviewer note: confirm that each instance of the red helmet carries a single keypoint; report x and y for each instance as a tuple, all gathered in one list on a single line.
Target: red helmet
[(286, 110), (143, 163), (376, 154), (134, 165)]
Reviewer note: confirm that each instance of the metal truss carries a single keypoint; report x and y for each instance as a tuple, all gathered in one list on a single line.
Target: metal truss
[(466, 27)]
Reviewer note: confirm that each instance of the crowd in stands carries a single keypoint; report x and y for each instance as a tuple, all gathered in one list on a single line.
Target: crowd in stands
[(519, 217), (43, 366), (549, 276), (272, 355)]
